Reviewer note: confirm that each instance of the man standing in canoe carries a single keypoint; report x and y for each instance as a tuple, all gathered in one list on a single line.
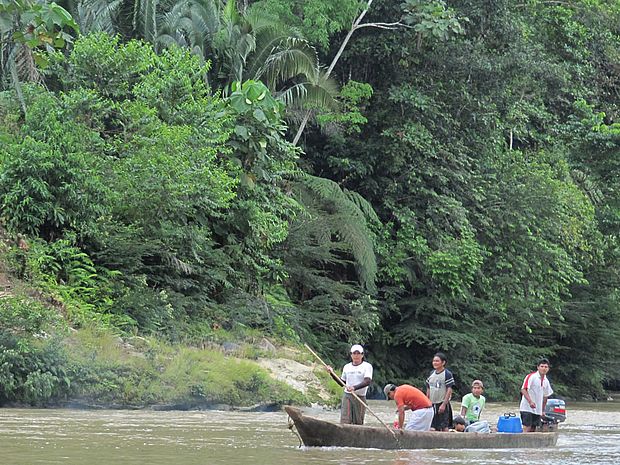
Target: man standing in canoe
[(411, 398), (534, 393), (356, 377)]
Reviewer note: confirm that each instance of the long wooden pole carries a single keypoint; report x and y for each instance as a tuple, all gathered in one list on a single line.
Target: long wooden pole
[(353, 393)]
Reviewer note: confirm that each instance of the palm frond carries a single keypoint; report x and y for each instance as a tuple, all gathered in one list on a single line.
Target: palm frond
[(292, 95), (245, 45), (286, 59), (340, 215), (260, 22), (363, 205), (230, 13), (266, 42), (318, 96), (174, 26), (168, 40), (177, 264), (191, 23), (169, 20), (356, 235), (97, 15), (208, 12), (205, 20), (144, 20)]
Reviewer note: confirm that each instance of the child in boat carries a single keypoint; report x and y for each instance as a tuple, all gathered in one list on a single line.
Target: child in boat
[(459, 423), (439, 391), (473, 403)]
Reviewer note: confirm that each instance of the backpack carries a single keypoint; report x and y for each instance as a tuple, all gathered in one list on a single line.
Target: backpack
[(478, 427)]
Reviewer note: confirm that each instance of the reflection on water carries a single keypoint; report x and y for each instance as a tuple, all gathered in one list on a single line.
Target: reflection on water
[(591, 435)]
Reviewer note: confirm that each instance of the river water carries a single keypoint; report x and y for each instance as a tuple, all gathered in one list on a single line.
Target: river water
[(591, 435)]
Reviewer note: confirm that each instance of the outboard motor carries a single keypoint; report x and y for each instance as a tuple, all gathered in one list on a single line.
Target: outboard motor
[(555, 412)]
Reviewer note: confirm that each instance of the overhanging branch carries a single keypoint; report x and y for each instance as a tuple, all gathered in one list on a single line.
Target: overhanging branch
[(357, 24)]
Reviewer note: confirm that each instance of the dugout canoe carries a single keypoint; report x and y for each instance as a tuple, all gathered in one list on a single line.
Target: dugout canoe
[(320, 433)]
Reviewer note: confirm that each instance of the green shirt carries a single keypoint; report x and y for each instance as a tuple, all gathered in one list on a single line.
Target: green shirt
[(474, 406)]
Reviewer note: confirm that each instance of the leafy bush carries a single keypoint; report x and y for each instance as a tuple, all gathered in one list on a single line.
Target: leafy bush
[(33, 365), (48, 184)]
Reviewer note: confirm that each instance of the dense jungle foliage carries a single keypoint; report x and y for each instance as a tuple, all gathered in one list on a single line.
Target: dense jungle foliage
[(416, 176)]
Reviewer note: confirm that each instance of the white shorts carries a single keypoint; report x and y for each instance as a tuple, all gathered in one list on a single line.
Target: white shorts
[(420, 419)]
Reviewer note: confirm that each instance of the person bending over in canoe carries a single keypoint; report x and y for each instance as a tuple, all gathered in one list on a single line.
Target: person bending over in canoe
[(473, 403), (356, 377), (411, 398), (534, 393), (459, 424), (439, 391)]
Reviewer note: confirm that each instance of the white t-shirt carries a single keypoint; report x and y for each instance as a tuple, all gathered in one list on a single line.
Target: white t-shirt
[(352, 375), (537, 388)]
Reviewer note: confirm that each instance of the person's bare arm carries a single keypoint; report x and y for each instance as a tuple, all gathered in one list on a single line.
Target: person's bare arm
[(446, 400), (333, 374), (401, 416), (526, 394)]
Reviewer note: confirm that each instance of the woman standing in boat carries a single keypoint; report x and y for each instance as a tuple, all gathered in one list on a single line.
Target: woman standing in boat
[(356, 377), (439, 391)]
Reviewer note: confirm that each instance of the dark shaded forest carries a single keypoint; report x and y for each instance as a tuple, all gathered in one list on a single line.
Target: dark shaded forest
[(414, 176)]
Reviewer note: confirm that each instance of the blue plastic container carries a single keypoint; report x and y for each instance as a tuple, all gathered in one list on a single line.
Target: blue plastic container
[(509, 423)]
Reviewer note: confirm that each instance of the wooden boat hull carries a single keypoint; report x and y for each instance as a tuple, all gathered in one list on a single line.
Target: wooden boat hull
[(319, 433)]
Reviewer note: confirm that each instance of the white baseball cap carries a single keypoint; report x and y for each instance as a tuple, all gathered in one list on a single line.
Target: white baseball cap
[(357, 348)]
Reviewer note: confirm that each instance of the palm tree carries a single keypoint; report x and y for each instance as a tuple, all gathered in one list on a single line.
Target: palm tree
[(132, 19), (190, 24), (96, 15), (250, 45), (242, 45)]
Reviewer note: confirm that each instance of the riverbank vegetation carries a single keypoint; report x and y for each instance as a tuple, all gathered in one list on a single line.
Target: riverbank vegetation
[(45, 363), (414, 176)]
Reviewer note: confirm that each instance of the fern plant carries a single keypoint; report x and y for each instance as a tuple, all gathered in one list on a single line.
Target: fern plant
[(342, 219)]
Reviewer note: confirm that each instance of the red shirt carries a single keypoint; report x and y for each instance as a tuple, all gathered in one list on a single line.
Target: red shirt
[(411, 397)]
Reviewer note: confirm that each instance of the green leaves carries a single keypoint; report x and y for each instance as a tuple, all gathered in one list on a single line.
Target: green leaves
[(456, 264), (32, 366), (496, 190), (184, 213), (102, 63), (432, 19), (317, 19), (354, 97), (37, 23), (259, 220), (47, 186), (491, 159), (28, 28), (254, 98)]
